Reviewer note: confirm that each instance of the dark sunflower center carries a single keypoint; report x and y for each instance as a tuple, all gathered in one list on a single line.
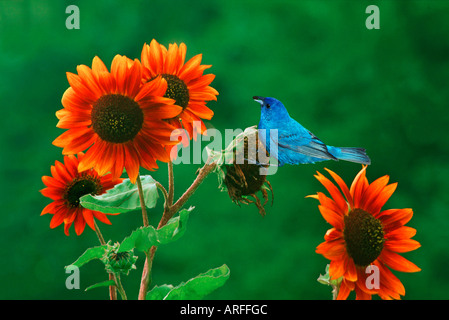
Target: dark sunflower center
[(80, 187), (117, 256), (364, 237), (116, 118), (244, 179), (176, 90)]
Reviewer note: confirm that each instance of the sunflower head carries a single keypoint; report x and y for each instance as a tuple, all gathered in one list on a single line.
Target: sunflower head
[(364, 235), (186, 83), (241, 176), (85, 183), (118, 262), (66, 186), (119, 119)]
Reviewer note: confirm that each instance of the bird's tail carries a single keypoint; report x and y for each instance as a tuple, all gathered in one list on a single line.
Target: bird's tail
[(357, 155)]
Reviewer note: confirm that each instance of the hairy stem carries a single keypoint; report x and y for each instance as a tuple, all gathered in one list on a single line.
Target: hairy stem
[(146, 223), (171, 185), (145, 280), (120, 286), (112, 289), (164, 192), (170, 210), (203, 173)]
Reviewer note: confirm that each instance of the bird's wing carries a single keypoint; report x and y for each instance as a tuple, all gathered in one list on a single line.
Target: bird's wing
[(306, 143)]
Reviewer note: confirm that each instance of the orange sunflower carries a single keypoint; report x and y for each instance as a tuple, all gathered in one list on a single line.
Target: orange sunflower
[(66, 186), (186, 83), (117, 116), (364, 234)]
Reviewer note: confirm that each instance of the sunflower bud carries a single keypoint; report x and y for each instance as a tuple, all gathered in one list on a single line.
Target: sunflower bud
[(118, 262), (241, 177)]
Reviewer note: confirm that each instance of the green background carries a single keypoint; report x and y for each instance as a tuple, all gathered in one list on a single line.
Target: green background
[(385, 90)]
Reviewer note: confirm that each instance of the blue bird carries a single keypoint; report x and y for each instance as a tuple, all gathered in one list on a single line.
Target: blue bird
[(296, 144)]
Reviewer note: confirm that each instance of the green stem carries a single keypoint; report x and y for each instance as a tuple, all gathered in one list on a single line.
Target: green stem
[(146, 223), (336, 289), (145, 280), (164, 192), (112, 289), (169, 211), (120, 286), (171, 185), (99, 235), (174, 208)]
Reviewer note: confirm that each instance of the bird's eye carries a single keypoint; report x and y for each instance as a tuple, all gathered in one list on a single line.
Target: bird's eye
[(268, 106)]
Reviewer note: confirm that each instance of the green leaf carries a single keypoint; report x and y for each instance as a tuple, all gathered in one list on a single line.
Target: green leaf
[(174, 228), (196, 288), (142, 239), (88, 255), (145, 237), (326, 279), (159, 292), (123, 197), (106, 283)]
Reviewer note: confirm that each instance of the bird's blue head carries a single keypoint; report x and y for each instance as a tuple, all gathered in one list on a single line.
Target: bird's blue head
[(271, 109)]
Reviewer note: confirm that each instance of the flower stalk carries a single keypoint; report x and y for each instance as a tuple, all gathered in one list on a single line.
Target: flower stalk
[(146, 222), (170, 210), (112, 289)]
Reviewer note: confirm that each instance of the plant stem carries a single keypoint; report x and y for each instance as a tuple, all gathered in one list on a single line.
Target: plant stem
[(336, 289), (203, 173), (112, 289), (99, 235), (170, 210), (171, 185), (145, 280), (164, 192), (146, 223), (120, 286)]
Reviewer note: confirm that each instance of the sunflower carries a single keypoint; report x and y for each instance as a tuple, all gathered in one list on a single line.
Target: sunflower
[(66, 186), (117, 116), (243, 179), (186, 83), (364, 234)]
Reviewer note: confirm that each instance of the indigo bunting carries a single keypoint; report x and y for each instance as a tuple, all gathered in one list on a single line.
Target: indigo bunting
[(296, 144)]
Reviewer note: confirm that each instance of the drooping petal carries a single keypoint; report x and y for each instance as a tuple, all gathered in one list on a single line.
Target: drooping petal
[(397, 262), (358, 187), (380, 201), (395, 218), (67, 137), (79, 86), (403, 245), (89, 218), (131, 162), (334, 192), (332, 217), (389, 283), (337, 268), (351, 270), (403, 232), (201, 111), (345, 289), (341, 184), (80, 223), (373, 192), (332, 250)]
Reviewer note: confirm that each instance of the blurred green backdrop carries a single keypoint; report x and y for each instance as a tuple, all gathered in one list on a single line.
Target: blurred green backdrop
[(385, 90)]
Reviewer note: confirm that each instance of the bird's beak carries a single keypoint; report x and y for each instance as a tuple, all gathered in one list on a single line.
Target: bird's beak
[(259, 99)]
